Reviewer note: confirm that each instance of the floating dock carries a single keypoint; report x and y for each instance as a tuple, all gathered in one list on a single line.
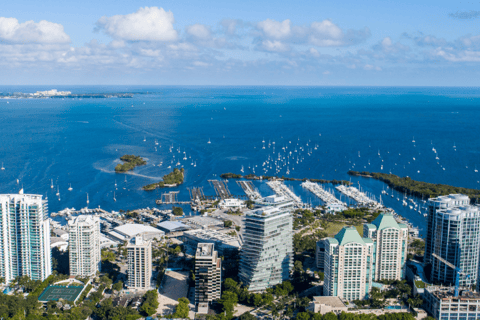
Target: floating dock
[(361, 198), (327, 197), (282, 190), (221, 189), (249, 190)]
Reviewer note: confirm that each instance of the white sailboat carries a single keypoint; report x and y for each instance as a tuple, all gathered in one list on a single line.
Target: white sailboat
[(144, 138), (58, 192), (3, 168), (413, 140), (88, 201), (476, 170), (114, 199), (209, 141), (51, 186), (70, 188)]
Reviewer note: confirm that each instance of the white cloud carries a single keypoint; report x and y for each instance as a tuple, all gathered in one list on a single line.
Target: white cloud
[(274, 46), (274, 29), (327, 29), (147, 24), (201, 64), (463, 56), (31, 32), (371, 67), (199, 31), (326, 72)]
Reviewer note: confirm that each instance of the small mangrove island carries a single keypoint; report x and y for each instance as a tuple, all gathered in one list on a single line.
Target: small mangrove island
[(129, 163), (417, 188), (230, 175), (172, 179)]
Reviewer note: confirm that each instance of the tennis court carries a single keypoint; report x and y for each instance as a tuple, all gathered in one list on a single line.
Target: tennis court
[(54, 293)]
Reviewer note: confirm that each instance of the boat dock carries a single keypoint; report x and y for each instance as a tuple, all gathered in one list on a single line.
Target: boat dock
[(249, 190), (282, 190), (221, 189), (361, 198), (321, 193)]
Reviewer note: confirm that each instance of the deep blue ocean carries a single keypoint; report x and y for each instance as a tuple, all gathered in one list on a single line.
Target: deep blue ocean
[(79, 141)]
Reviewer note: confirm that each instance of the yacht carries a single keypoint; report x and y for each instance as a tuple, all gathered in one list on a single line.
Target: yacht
[(88, 201), (51, 186), (209, 141), (58, 192), (476, 170), (70, 188), (242, 170), (144, 138), (114, 199), (413, 140), (3, 168)]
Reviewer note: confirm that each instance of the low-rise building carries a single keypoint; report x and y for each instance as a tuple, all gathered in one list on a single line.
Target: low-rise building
[(325, 305), (57, 242), (232, 204), (60, 233), (203, 222), (224, 243), (443, 305), (131, 230)]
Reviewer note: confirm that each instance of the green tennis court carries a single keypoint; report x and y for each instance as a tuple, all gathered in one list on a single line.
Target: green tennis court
[(55, 293)]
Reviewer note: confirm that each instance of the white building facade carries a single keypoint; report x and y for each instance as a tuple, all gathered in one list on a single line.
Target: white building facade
[(390, 240), (84, 245), (139, 263), (24, 237), (348, 265)]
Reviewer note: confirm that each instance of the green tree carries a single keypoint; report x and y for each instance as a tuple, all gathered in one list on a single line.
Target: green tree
[(182, 308), (303, 316), (118, 286), (227, 223), (247, 316)]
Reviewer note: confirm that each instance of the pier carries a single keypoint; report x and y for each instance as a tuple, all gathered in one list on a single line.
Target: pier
[(196, 194), (359, 197), (221, 189), (249, 190), (282, 190), (327, 197)]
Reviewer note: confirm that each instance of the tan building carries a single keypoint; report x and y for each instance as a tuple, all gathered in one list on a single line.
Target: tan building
[(208, 274), (139, 263), (325, 305), (390, 240)]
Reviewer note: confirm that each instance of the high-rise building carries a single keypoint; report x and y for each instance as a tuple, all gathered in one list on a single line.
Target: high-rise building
[(390, 240), (24, 237), (348, 265), (208, 274), (266, 257), (84, 245), (453, 233), (139, 263)]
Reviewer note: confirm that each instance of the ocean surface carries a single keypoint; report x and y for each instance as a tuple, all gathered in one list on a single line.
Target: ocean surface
[(78, 142)]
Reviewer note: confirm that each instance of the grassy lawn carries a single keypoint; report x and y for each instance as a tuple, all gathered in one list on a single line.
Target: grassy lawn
[(334, 227)]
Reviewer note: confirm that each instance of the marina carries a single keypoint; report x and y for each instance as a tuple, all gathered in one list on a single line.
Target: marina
[(249, 190), (361, 198), (282, 190), (326, 197)]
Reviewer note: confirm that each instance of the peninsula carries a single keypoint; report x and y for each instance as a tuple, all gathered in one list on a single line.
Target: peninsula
[(54, 93), (230, 175), (129, 163), (417, 188), (172, 179)]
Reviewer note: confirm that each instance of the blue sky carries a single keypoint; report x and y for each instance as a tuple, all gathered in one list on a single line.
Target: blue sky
[(422, 43)]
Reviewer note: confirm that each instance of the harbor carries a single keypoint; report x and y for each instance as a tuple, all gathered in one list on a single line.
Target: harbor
[(326, 197), (282, 190)]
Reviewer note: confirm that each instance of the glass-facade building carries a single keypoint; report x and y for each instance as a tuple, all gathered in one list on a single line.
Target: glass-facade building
[(24, 237), (266, 258), (454, 235)]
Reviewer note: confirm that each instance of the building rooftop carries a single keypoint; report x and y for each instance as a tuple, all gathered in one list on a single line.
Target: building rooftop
[(265, 212), (59, 232), (204, 250), (213, 235), (132, 229), (447, 293), (203, 222), (450, 200), (84, 219), (334, 302), (385, 221), (173, 226), (348, 235)]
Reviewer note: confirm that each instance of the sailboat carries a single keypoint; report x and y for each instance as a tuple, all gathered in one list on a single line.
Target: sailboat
[(195, 164), (115, 183), (476, 170), (242, 169), (58, 192), (88, 201), (51, 186), (209, 141), (114, 199), (413, 140), (144, 138), (70, 188), (3, 168)]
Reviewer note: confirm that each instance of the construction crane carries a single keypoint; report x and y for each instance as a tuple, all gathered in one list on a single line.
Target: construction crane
[(457, 270)]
